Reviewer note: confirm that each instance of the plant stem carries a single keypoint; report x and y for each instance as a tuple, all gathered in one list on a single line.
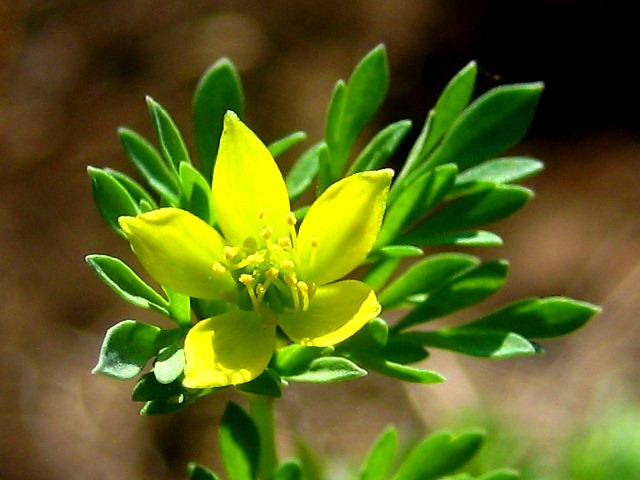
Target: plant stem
[(262, 411)]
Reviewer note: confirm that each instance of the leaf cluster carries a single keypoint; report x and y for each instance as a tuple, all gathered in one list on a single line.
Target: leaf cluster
[(456, 181)]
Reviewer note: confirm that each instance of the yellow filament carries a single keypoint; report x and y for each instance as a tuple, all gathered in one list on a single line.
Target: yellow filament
[(314, 243), (303, 288)]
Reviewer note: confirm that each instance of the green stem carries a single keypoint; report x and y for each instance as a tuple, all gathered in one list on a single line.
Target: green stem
[(262, 411)]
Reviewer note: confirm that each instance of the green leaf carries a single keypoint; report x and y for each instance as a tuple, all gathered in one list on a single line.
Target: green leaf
[(394, 251), (171, 141), (279, 147), (198, 472), (494, 122), (494, 202), (288, 470), (425, 276), (126, 349), (169, 365), (127, 284), (401, 372), (380, 457), (329, 370), (294, 359), (461, 291), (399, 350), (381, 147), (353, 106), (501, 170), (473, 238), (452, 102), (381, 272), (476, 342), (150, 165), (267, 383), (538, 317), (239, 444), (501, 474), (112, 199), (304, 171), (136, 191), (195, 195), (148, 388), (438, 455), (219, 90), (179, 307), (415, 201)]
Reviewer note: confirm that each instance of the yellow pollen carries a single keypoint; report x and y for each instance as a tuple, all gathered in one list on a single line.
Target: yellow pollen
[(218, 268), (255, 259), (303, 287), (291, 219), (272, 273), (261, 290), (229, 252), (284, 242), (287, 264), (315, 243), (267, 233), (246, 279)]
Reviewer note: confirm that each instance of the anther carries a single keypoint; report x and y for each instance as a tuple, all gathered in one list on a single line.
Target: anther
[(246, 279), (314, 242), (303, 288), (218, 268), (291, 219), (287, 264), (262, 213), (255, 259), (284, 242), (229, 252), (267, 233)]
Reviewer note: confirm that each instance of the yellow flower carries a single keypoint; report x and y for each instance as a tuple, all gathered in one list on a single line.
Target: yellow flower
[(274, 274)]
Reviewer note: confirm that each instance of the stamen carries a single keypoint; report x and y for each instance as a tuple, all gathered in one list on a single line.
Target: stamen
[(267, 233), (290, 280), (218, 268), (291, 221), (255, 259), (284, 242), (303, 288), (260, 290), (271, 275), (229, 253), (287, 264), (262, 213), (246, 279)]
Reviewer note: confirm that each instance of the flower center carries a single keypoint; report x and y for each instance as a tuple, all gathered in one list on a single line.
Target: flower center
[(265, 271)]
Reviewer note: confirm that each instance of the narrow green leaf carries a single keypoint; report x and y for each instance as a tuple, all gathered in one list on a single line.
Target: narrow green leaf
[(195, 195), (126, 283), (380, 273), (501, 474), (148, 388), (425, 276), (473, 238), (289, 470), (402, 372), (126, 349), (112, 199), (239, 444), (415, 201), (150, 165), (170, 405), (394, 251), (329, 370), (219, 90), (304, 171), (268, 384), (380, 457), (295, 359), (538, 317), (198, 472), (438, 455), (452, 102), (279, 147), (136, 191), (171, 142), (169, 365), (381, 147), (494, 122), (179, 307), (460, 291), (353, 106), (476, 342), (501, 170), (491, 204), (400, 350)]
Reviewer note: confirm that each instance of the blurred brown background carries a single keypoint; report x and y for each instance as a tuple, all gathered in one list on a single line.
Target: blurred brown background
[(72, 71)]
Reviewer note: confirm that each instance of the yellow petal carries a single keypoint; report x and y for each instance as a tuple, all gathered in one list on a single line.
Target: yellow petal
[(229, 349), (341, 226), (179, 251), (335, 313), (248, 189)]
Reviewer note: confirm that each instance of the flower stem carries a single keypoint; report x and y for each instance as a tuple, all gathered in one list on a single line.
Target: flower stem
[(262, 412)]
